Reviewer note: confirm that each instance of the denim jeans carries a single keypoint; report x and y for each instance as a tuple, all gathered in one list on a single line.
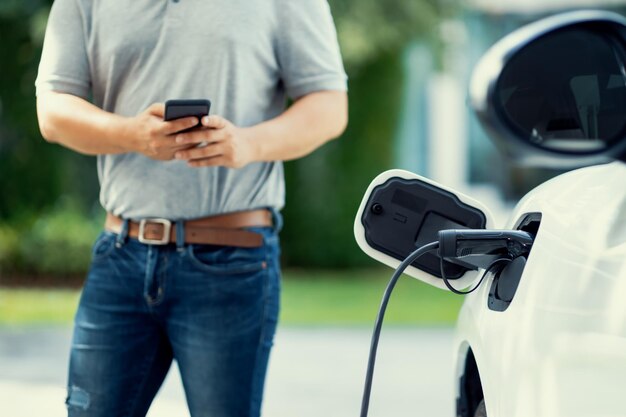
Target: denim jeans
[(213, 309)]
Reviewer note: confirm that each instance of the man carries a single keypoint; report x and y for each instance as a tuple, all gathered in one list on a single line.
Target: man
[(187, 266)]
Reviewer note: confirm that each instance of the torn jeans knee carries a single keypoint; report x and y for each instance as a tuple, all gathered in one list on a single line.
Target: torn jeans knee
[(77, 397)]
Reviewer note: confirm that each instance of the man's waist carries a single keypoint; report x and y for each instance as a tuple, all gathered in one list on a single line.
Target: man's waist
[(224, 229)]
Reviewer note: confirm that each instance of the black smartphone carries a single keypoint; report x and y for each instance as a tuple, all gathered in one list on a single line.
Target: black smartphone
[(177, 109)]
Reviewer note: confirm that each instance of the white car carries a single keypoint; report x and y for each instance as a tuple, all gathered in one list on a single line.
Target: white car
[(544, 334)]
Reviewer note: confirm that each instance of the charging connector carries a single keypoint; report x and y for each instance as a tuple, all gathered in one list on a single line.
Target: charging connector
[(479, 249)]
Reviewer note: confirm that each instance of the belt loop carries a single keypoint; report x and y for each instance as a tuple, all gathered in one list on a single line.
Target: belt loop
[(121, 238), (180, 235), (277, 219)]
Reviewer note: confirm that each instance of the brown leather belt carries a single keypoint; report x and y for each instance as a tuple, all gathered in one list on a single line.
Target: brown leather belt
[(223, 229)]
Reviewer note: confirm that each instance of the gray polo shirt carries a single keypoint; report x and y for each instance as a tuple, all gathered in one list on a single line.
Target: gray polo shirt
[(246, 56)]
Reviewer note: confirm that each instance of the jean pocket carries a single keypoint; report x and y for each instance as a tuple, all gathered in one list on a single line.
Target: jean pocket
[(103, 247), (226, 260)]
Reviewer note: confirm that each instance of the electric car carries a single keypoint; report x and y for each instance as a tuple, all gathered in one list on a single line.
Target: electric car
[(544, 332)]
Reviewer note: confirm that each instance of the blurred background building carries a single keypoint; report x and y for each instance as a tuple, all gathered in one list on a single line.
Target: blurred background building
[(438, 135)]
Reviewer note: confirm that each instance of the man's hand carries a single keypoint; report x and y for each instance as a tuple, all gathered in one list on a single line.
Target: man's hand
[(226, 145), (154, 137)]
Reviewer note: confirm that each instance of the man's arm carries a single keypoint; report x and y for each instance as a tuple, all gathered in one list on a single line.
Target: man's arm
[(311, 121), (79, 125)]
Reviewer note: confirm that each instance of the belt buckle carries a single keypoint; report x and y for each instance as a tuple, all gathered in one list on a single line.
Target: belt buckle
[(165, 239)]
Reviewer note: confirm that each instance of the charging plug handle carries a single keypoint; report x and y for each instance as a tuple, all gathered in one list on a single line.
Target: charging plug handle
[(478, 249)]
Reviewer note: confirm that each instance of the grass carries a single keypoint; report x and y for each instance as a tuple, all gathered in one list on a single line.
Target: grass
[(347, 298), (309, 298), (34, 306)]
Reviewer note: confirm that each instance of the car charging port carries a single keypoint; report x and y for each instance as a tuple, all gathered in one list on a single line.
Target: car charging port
[(506, 280)]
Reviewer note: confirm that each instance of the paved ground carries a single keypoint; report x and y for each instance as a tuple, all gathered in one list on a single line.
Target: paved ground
[(313, 372)]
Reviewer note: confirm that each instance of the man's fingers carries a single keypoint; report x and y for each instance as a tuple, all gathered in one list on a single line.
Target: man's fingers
[(182, 147), (214, 122), (168, 144), (208, 162), (199, 136), (157, 109), (209, 151), (174, 126)]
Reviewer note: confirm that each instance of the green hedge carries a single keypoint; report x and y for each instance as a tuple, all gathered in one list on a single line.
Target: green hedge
[(56, 242), (324, 190)]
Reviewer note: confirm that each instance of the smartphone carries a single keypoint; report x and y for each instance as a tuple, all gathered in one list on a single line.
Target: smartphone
[(177, 109)]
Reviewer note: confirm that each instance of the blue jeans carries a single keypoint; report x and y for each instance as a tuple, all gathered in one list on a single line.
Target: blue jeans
[(212, 308)]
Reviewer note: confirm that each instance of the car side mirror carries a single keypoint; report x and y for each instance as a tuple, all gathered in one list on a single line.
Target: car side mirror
[(402, 211), (553, 93)]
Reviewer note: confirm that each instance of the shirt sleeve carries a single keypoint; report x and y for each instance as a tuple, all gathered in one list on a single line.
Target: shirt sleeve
[(64, 65), (307, 48)]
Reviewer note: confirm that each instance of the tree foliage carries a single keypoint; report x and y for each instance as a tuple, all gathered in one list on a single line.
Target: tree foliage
[(370, 29)]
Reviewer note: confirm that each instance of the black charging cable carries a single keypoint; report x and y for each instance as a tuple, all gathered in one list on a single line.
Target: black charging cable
[(380, 317), (446, 280)]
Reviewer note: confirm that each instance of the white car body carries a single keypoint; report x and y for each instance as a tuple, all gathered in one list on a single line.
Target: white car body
[(559, 349)]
